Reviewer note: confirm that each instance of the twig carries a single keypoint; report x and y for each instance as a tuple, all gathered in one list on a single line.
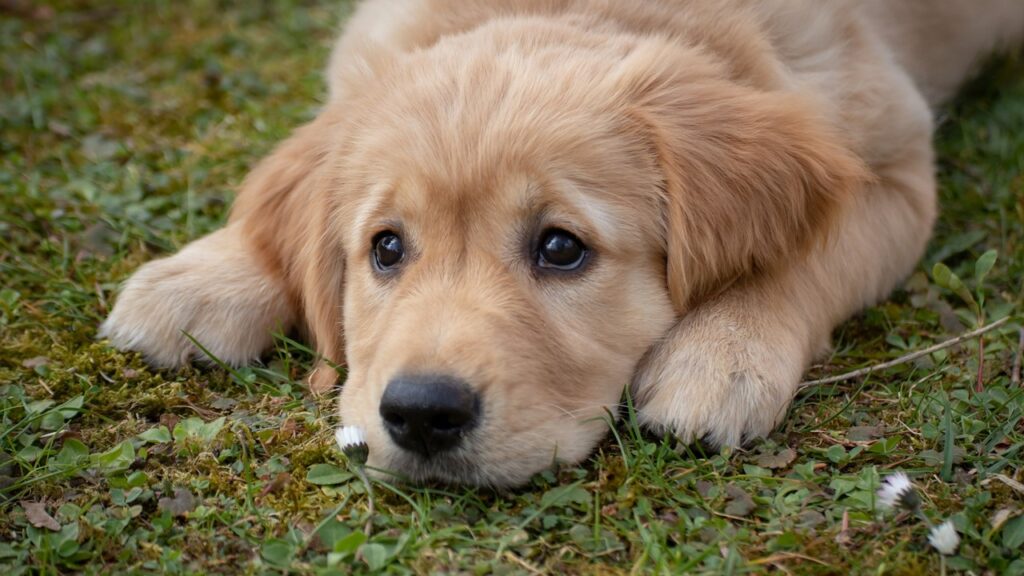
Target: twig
[(526, 565), (787, 556), (1015, 374), (906, 358), (979, 385), (843, 538), (1005, 480)]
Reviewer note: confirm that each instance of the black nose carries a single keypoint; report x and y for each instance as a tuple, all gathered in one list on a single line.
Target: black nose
[(429, 414)]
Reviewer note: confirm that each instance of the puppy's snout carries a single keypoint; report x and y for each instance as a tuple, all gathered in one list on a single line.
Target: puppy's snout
[(429, 414)]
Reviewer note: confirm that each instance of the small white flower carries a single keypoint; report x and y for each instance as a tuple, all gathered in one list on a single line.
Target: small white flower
[(349, 436), (898, 490), (944, 538), (352, 441)]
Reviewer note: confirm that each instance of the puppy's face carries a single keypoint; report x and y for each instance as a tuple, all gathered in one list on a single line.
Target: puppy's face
[(502, 278), (493, 327), (505, 232)]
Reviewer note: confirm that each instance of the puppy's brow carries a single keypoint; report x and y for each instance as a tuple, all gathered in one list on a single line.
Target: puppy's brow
[(583, 214), (374, 208)]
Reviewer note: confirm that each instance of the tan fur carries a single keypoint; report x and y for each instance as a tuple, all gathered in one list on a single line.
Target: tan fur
[(747, 175)]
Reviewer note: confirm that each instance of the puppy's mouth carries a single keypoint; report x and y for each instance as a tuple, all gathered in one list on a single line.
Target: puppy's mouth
[(459, 467), (436, 428)]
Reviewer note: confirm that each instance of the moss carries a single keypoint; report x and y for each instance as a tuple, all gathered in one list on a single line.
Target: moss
[(126, 128)]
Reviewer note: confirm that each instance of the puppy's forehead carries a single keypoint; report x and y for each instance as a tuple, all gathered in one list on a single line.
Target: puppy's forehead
[(453, 153), (516, 201)]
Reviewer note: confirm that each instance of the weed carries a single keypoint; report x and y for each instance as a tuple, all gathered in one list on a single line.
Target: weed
[(124, 128)]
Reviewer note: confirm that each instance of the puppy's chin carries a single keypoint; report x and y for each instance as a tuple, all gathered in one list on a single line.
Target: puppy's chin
[(513, 442), (460, 467), (465, 466), (487, 461)]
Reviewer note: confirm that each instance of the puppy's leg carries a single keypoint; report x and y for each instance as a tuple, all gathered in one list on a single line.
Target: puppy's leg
[(269, 269), (729, 369), (216, 289)]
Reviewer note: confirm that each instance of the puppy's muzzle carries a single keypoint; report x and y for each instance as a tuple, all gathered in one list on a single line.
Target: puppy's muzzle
[(429, 414)]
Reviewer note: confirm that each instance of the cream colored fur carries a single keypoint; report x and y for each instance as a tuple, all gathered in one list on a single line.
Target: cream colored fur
[(747, 174)]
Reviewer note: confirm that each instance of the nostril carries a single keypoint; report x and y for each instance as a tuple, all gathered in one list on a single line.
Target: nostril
[(451, 421), (393, 418), (429, 414)]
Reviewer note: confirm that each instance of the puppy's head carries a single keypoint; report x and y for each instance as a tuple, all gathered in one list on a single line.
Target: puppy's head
[(513, 225)]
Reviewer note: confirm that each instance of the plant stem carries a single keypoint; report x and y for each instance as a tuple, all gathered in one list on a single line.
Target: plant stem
[(361, 472)]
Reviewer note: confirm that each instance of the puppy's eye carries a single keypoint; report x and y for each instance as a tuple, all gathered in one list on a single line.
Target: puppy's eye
[(560, 250), (387, 250)]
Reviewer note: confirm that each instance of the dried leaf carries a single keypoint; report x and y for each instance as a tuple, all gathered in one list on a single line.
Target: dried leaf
[(33, 363), (704, 488), (182, 503), (59, 128), (287, 430), (1000, 518), (223, 403), (37, 516), (947, 317), (864, 433), (98, 240), (97, 147), (276, 484), (740, 503), (810, 518), (780, 460), (169, 420)]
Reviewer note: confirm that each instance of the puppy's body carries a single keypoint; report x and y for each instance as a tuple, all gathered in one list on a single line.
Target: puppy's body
[(743, 175)]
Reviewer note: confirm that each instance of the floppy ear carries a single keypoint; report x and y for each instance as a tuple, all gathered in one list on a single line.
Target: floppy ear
[(750, 177), (285, 208)]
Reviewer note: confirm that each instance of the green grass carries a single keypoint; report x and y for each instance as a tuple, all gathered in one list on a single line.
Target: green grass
[(124, 128)]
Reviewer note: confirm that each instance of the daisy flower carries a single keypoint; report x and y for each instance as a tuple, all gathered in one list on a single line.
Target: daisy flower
[(352, 442), (898, 491), (944, 538)]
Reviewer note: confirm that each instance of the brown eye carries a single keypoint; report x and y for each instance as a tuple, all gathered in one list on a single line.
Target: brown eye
[(387, 250), (560, 250)]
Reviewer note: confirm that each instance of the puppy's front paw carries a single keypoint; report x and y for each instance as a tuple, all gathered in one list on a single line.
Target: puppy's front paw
[(214, 290), (724, 374)]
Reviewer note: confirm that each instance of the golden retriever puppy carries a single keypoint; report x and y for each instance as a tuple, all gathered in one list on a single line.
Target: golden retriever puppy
[(508, 211)]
